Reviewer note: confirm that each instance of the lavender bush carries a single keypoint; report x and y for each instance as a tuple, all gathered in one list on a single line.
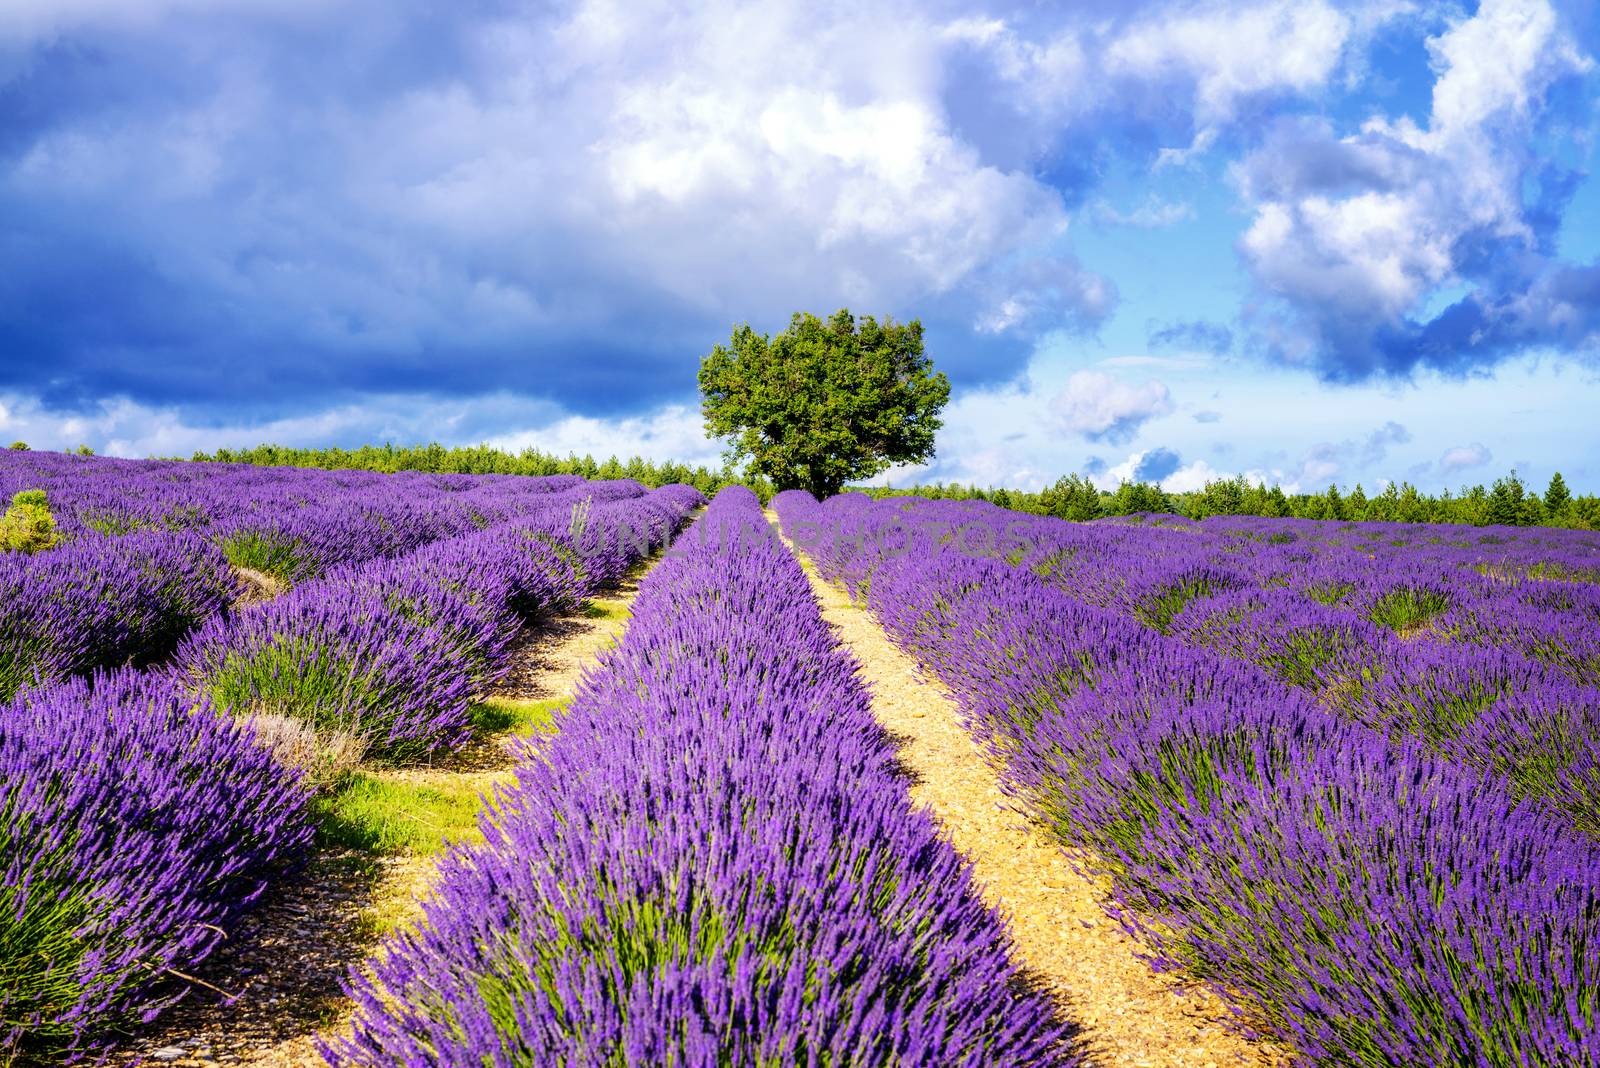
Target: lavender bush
[(104, 603), (140, 814), (340, 662), (393, 650), (135, 827), (147, 547)]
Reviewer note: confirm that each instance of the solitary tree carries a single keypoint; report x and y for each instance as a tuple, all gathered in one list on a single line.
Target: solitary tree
[(824, 403)]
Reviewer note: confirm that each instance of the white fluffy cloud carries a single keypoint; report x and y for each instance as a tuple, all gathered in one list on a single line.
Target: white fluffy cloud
[(1192, 477), (751, 159), (1187, 477), (1327, 461), (1463, 457), (121, 427), (675, 432), (1357, 232), (1104, 408), (817, 170), (1153, 214), (1234, 52)]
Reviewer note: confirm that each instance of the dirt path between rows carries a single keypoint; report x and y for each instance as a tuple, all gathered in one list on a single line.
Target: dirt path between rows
[(1131, 1017), (295, 950)]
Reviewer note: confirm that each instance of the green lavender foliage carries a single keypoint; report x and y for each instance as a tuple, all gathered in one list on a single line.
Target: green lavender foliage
[(270, 552), (41, 949)]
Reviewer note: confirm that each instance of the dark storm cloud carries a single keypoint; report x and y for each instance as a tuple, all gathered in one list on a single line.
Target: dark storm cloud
[(261, 207)]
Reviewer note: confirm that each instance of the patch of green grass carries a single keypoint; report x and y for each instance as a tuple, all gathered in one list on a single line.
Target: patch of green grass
[(506, 715), (390, 815), (601, 608), (1158, 609), (270, 552), (1330, 593)]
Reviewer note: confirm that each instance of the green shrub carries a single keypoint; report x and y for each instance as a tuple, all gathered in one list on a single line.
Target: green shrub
[(28, 525), (20, 446)]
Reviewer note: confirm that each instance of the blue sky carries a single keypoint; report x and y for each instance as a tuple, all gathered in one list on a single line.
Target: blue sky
[(1304, 241)]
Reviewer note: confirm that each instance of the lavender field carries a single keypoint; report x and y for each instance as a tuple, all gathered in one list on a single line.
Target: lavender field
[(1346, 777), (1346, 774)]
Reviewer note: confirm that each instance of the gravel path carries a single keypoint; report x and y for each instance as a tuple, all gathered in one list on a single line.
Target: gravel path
[(294, 950), (1132, 1017)]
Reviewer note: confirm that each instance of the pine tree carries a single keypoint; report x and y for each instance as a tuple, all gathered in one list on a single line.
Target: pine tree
[(1505, 502), (1335, 502), (1277, 502), (1072, 497), (1556, 495), (1356, 503)]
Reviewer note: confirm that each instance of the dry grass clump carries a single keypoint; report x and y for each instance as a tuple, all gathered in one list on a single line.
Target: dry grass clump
[(256, 587), (324, 756)]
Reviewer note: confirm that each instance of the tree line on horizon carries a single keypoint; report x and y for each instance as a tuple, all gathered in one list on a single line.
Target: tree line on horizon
[(1508, 501)]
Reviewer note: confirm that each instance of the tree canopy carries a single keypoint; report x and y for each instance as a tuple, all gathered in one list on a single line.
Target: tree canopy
[(825, 402)]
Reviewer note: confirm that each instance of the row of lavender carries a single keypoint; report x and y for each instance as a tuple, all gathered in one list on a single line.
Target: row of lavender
[(308, 517), (1349, 890), (1548, 552), (714, 861), (139, 819), (1454, 644), (392, 650), (149, 546)]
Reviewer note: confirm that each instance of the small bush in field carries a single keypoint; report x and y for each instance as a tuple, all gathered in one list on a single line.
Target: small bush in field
[(28, 525), (339, 663)]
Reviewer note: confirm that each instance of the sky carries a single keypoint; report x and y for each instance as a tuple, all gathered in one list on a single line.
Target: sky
[(1306, 242)]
